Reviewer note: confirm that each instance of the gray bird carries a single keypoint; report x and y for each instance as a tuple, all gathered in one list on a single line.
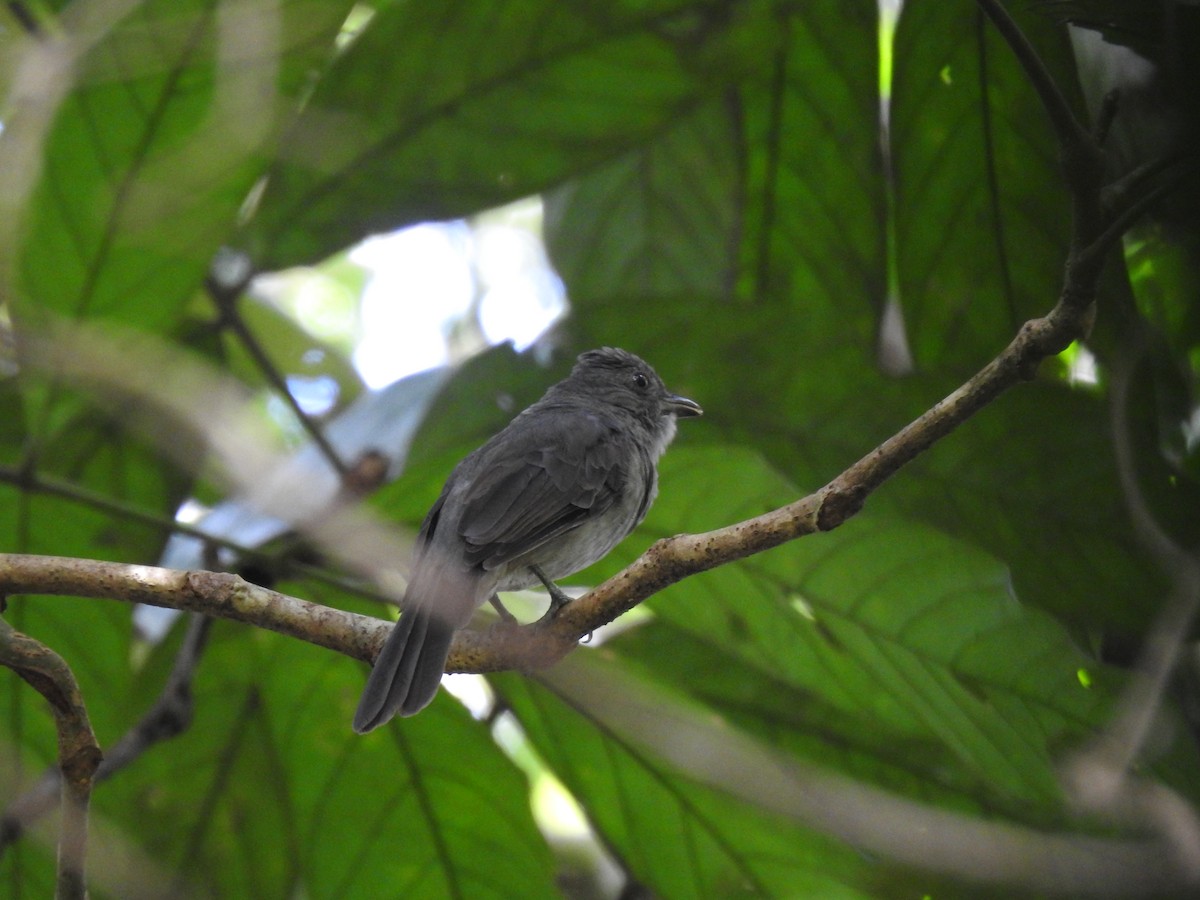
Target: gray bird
[(549, 495)]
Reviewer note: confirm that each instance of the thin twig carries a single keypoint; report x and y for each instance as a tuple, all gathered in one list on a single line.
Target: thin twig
[(1073, 138), (170, 715), (1129, 187), (1082, 155), (1120, 223), (40, 483), (1101, 779), (218, 594), (226, 302), (78, 753)]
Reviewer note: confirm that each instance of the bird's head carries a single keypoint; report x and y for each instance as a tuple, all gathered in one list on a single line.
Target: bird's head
[(626, 381)]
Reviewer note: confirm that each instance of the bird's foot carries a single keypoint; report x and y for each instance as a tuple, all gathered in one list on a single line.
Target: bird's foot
[(505, 616), (558, 598)]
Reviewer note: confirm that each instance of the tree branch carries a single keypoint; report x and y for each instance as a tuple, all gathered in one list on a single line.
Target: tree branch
[(226, 303), (170, 715), (40, 483), (1102, 778), (218, 594), (1080, 150), (1081, 153), (78, 752), (665, 563), (1131, 187), (1120, 222), (367, 547)]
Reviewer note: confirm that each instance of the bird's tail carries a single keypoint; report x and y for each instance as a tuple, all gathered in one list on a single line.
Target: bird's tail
[(407, 671)]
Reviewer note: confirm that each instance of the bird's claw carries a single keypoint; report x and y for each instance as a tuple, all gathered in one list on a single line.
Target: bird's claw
[(558, 597), (505, 616)]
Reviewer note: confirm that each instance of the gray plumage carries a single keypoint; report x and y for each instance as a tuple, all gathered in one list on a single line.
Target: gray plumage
[(557, 489)]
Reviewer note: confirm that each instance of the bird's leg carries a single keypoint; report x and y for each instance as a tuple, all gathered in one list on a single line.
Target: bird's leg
[(505, 615), (558, 599)]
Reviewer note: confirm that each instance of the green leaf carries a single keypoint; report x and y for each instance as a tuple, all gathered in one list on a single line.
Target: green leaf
[(434, 116), (91, 467), (678, 839), (1032, 479), (882, 621), (676, 201), (981, 211), (804, 723), (813, 220), (748, 197), (171, 117), (243, 803), (292, 351)]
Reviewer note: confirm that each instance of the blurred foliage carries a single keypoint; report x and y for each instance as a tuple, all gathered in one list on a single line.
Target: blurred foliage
[(719, 198)]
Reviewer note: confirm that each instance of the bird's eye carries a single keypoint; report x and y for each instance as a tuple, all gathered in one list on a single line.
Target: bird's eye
[(640, 381)]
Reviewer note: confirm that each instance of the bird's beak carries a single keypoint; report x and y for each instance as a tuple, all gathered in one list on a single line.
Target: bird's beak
[(682, 407)]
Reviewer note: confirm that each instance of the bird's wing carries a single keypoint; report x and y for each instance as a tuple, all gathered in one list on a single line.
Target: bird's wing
[(533, 483)]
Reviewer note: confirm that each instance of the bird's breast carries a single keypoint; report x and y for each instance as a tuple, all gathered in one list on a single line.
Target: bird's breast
[(578, 548)]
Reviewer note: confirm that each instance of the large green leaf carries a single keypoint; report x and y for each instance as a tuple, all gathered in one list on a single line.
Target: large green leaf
[(886, 624), (748, 265), (677, 200), (774, 194), (813, 220), (437, 115), (708, 668), (981, 212), (270, 793), (171, 116), (1034, 481), (678, 839), (89, 466)]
